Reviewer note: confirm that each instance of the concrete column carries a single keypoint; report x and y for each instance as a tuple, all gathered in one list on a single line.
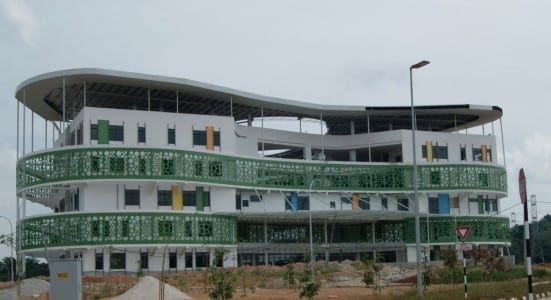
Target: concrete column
[(193, 262), (326, 240)]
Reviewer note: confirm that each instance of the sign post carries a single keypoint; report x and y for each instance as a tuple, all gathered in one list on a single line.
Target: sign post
[(527, 244), (462, 232)]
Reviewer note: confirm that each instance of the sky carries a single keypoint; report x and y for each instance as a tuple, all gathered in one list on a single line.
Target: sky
[(328, 52)]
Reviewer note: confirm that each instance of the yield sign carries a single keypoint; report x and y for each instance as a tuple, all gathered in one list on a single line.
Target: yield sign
[(462, 232)]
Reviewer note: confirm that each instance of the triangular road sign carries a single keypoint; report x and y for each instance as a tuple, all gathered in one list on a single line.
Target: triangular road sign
[(462, 232)]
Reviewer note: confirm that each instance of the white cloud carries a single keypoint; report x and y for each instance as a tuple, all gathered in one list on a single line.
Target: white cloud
[(21, 17)]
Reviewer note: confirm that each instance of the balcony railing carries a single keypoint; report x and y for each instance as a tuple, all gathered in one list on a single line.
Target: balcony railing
[(105, 163), (124, 228)]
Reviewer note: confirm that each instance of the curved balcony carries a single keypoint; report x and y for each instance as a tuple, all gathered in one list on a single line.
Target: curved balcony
[(127, 228), (105, 163), (442, 229)]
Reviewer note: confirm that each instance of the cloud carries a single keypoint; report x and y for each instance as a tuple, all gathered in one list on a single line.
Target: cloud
[(19, 17)]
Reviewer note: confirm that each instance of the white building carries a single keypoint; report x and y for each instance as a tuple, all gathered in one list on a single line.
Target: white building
[(141, 169)]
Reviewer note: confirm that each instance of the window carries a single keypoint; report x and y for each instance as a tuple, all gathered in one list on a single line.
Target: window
[(489, 155), (118, 261), (477, 154), (164, 198), (99, 261), (384, 203), (463, 153), (94, 132), (332, 204), (141, 134), (116, 133), (403, 204), (189, 259), (131, 197), (202, 259), (493, 205), (172, 260), (168, 167), (365, 204), (433, 205), (237, 201), (255, 198), (346, 200), (171, 136), (189, 198), (144, 260), (200, 138), (438, 152), (116, 164), (206, 198), (165, 228), (302, 203), (245, 203)]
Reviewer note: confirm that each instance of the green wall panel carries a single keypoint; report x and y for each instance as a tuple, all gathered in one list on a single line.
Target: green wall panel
[(76, 229), (442, 229), (105, 163), (103, 132)]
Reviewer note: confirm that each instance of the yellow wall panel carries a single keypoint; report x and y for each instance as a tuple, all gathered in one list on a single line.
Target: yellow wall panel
[(177, 199), (429, 151), (210, 137), (355, 201)]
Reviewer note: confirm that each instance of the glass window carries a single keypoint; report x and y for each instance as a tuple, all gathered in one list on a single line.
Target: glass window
[(141, 134), (94, 132), (403, 204), (131, 197), (202, 259), (172, 260), (438, 152), (99, 261), (118, 261), (346, 200), (144, 260), (256, 198), (171, 136), (189, 198), (199, 138), (332, 204), (245, 203), (116, 133), (303, 203), (433, 205), (189, 259), (217, 138), (206, 198), (384, 203), (463, 153), (477, 154), (237, 201), (164, 198), (364, 204)]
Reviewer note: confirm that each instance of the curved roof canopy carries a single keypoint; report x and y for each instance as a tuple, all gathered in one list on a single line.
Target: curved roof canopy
[(123, 90)]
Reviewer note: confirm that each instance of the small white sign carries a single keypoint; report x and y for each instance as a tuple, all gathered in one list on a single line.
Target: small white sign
[(463, 247)]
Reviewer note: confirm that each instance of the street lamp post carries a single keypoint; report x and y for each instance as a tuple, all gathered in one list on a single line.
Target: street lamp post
[(310, 223), (11, 245), (414, 179)]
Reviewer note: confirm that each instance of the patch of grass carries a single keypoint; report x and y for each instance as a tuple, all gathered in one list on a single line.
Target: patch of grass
[(328, 268)]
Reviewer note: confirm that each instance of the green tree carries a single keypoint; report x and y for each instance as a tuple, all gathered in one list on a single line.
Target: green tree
[(450, 261), (221, 280), (289, 275)]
